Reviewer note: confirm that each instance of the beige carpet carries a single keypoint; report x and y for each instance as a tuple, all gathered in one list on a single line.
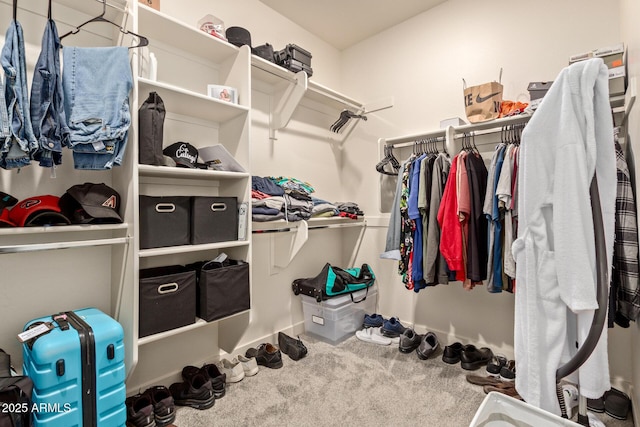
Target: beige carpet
[(351, 384)]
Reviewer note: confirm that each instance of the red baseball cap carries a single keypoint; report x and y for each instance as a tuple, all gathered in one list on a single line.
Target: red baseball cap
[(39, 210)]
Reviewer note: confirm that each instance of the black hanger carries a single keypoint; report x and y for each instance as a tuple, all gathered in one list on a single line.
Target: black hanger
[(142, 40), (15, 9), (344, 118), (389, 159)]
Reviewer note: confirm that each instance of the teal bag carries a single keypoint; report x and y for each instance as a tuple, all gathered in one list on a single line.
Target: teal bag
[(334, 281)]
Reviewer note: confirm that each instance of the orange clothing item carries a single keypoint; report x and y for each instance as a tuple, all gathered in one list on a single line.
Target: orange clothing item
[(450, 228)]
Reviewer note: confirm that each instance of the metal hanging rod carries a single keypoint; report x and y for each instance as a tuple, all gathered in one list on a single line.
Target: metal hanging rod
[(289, 229), (35, 247)]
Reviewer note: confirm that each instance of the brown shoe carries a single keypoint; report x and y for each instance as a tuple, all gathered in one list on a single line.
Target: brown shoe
[(509, 391), (480, 380)]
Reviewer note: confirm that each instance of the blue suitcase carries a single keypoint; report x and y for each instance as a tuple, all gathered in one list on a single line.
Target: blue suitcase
[(78, 371)]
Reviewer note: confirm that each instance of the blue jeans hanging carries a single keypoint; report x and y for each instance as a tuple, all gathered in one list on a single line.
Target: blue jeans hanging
[(17, 149), (47, 107)]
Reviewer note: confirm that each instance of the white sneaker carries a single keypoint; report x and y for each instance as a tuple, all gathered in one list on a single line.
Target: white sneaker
[(249, 365), (233, 370)]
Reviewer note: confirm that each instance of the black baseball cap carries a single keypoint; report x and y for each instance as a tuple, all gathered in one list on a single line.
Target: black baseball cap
[(184, 154), (91, 203)]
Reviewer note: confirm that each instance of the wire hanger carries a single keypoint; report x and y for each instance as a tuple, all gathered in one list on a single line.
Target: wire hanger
[(142, 40)]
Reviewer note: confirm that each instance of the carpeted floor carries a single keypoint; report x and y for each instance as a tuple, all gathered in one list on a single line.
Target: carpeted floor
[(352, 383)]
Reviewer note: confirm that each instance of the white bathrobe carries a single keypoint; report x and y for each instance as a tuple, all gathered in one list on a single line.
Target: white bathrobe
[(568, 138)]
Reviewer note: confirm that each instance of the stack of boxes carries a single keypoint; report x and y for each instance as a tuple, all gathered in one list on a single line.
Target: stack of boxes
[(613, 57)]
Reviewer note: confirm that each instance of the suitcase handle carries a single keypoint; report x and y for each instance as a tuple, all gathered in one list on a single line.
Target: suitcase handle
[(165, 207), (216, 207), (167, 288)]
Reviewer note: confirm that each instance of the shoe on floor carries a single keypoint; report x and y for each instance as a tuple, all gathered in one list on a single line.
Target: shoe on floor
[(616, 404), (164, 408), (508, 371), (409, 341), (480, 380), (140, 411), (294, 348), (495, 364), (218, 379), (392, 328), (451, 353), (266, 355), (373, 320), (373, 335), (596, 405), (509, 391), (233, 370), (249, 365), (473, 358), (428, 345), (195, 392)]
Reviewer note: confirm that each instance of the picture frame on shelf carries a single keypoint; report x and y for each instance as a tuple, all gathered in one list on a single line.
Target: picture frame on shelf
[(223, 93)]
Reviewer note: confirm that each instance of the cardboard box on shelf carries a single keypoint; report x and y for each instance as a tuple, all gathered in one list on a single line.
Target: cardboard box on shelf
[(617, 81)]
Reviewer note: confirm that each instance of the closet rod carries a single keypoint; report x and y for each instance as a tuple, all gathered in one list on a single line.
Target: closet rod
[(311, 227), (122, 9), (409, 140), (62, 245)]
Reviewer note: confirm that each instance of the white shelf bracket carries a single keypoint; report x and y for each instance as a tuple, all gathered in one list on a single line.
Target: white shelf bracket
[(285, 246), (287, 103)]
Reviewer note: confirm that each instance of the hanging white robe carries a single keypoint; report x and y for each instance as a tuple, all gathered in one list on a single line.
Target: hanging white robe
[(568, 138)]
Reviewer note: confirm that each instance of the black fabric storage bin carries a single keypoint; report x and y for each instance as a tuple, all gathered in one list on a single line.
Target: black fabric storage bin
[(167, 299), (164, 221), (223, 291), (214, 219)]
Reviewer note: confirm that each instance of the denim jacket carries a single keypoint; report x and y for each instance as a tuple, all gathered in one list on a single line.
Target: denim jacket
[(16, 151), (47, 108)]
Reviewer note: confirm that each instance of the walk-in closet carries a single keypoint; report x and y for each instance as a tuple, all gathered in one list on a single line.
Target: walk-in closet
[(204, 105)]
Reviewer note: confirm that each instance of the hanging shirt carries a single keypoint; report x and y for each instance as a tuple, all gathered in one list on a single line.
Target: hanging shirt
[(450, 229), (413, 211), (435, 268), (568, 139), (477, 247), (496, 219), (392, 245), (625, 294)]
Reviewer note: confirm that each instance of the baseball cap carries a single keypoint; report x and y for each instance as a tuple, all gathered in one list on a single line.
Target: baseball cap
[(91, 203), (217, 157), (184, 154), (4, 219), (39, 210)]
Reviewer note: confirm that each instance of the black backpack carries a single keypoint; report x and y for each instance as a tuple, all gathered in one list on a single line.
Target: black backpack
[(15, 401)]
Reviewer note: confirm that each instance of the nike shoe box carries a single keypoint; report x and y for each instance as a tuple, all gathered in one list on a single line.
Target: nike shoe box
[(613, 56), (338, 318), (167, 299)]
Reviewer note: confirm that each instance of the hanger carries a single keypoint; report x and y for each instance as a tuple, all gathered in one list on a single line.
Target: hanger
[(344, 118), (389, 159), (15, 9), (142, 40)]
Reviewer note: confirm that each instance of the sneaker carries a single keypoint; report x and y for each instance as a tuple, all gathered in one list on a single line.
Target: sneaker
[(164, 409), (495, 365), (218, 379), (195, 392), (249, 365), (428, 345), (508, 371), (409, 341), (392, 328), (139, 411), (451, 353), (373, 320), (233, 370), (266, 355), (294, 348)]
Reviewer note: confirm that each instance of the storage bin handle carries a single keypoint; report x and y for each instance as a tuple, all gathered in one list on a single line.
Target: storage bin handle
[(167, 288), (218, 207), (165, 207)]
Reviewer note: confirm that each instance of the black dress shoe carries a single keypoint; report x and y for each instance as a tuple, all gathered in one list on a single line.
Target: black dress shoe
[(294, 348), (451, 353), (473, 358), (266, 355)]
